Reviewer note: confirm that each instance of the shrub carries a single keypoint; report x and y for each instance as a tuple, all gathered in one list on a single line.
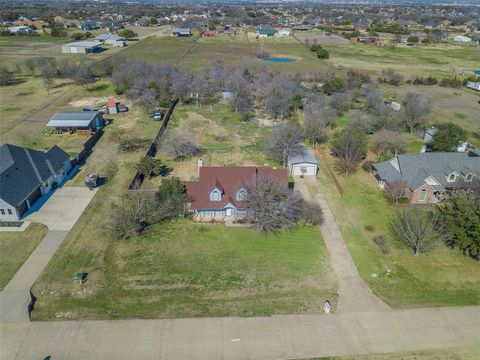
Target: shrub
[(381, 241), (370, 228), (367, 165), (312, 213)]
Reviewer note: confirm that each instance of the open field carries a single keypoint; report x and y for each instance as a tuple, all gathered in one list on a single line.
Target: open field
[(321, 38), (442, 277), (226, 48), (436, 61), (16, 247)]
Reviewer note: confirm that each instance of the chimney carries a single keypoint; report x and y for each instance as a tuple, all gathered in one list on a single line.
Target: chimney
[(199, 165)]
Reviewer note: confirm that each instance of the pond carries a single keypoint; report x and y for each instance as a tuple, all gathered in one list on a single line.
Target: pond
[(279, 59)]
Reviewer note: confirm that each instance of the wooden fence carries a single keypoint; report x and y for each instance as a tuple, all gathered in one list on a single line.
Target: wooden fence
[(138, 179)]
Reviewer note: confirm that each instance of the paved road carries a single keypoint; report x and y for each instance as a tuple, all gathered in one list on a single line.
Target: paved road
[(59, 213), (354, 294), (277, 337)]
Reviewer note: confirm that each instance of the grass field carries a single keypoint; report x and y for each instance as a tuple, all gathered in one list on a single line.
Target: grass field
[(439, 62), (16, 247), (442, 277), (228, 49), (184, 270)]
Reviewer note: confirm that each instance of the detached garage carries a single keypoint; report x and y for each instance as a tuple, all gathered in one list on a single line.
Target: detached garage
[(304, 163), (81, 47)]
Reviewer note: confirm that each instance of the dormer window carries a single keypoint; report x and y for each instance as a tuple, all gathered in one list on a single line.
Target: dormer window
[(452, 177), (241, 194), (469, 177), (215, 195)]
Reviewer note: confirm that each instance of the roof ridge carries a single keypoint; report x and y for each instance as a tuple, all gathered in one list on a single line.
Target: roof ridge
[(35, 169)]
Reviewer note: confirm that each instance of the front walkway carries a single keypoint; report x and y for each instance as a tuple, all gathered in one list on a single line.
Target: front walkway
[(60, 214), (354, 294)]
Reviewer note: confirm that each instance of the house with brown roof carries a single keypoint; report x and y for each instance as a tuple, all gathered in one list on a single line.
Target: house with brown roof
[(221, 192)]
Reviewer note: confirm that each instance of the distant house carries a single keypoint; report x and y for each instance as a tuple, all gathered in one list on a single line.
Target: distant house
[(26, 175), (112, 25), (88, 25), (284, 32), (370, 40), (301, 27), (81, 47), (20, 29), (304, 164), (461, 38), (220, 192), (429, 177), (182, 32), (111, 39), (77, 121), (264, 31)]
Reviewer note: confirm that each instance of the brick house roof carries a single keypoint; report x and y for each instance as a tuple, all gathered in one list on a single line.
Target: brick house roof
[(229, 180)]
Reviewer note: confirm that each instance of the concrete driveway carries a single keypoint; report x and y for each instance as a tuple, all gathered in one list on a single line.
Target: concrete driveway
[(60, 213), (354, 294), (63, 208)]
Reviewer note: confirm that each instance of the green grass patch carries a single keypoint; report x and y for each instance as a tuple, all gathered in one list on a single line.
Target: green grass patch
[(16, 247), (183, 269), (442, 277)]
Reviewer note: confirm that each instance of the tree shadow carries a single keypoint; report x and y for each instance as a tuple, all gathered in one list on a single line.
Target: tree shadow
[(98, 87)]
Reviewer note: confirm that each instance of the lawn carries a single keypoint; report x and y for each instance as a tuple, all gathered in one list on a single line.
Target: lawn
[(16, 247), (183, 269), (444, 60), (442, 277)]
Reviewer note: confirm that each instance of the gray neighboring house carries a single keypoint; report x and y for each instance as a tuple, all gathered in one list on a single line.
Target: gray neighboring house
[(81, 47), (304, 163), (111, 39), (26, 175), (77, 120), (182, 32), (429, 177)]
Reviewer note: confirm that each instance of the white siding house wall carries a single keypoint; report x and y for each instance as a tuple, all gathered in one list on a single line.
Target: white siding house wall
[(4, 212)]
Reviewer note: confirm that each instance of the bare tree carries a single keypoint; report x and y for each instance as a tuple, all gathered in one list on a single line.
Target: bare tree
[(318, 123), (48, 72), (416, 229), (387, 141), (31, 66), (390, 76), (79, 73), (272, 206), (396, 190), (416, 112), (341, 102), (178, 145), (284, 142), (350, 147)]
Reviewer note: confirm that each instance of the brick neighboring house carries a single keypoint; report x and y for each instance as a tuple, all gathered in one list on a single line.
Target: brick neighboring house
[(26, 175), (430, 177), (220, 192)]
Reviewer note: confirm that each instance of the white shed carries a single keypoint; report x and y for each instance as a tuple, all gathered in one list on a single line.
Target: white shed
[(304, 163)]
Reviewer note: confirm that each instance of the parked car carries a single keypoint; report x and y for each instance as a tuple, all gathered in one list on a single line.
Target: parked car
[(122, 108), (158, 116)]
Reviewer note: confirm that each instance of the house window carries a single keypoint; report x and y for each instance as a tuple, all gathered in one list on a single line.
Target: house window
[(9, 211), (215, 195), (469, 177), (241, 195), (422, 196), (2, 211), (452, 177)]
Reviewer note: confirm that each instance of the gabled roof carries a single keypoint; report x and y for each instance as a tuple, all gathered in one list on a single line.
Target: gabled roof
[(228, 180), (415, 169), (72, 118), (306, 156), (23, 169), (104, 37)]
